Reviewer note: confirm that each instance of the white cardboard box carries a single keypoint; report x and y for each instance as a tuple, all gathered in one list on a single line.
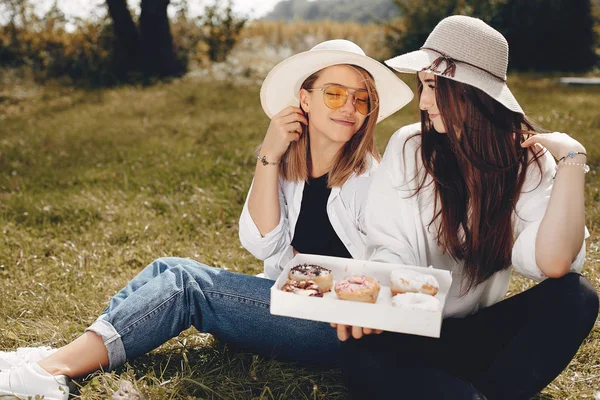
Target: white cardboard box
[(380, 315)]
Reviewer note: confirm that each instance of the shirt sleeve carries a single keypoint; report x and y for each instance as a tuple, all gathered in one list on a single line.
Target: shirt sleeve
[(263, 247), (530, 211), (360, 194), (390, 209)]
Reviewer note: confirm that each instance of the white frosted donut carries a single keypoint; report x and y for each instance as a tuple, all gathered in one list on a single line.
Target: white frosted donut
[(312, 272), (408, 281), (358, 288), (418, 301)]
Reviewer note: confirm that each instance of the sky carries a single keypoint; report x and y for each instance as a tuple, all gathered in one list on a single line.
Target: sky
[(85, 8)]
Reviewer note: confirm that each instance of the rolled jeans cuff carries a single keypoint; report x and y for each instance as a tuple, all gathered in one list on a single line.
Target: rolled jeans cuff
[(112, 342)]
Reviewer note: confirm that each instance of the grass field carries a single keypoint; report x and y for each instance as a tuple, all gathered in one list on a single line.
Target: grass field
[(94, 185)]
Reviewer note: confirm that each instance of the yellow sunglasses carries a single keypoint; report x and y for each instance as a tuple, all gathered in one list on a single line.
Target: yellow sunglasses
[(335, 96)]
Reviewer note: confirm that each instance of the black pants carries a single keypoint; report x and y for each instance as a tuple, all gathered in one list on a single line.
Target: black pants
[(510, 350)]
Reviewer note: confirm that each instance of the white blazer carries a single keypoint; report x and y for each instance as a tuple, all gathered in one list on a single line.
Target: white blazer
[(345, 209)]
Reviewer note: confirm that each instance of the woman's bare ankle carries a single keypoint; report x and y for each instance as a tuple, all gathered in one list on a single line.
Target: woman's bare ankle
[(54, 368)]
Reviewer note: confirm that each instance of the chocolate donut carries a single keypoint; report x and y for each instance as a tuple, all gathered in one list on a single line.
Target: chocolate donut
[(312, 272), (303, 288)]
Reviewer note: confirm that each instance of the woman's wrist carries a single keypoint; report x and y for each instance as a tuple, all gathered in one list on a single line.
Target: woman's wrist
[(266, 160), (265, 153), (573, 152)]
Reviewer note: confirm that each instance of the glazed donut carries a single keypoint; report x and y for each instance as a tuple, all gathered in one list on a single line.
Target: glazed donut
[(418, 301), (407, 281), (312, 272), (303, 288), (358, 288)]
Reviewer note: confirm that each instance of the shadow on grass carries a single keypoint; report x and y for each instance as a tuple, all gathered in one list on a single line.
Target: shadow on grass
[(217, 372)]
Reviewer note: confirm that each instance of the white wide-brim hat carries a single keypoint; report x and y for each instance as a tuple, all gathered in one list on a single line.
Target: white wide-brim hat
[(281, 87), (466, 50)]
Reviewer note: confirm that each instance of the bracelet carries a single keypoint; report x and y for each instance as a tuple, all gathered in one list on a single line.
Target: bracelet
[(572, 154), (264, 161), (586, 168)]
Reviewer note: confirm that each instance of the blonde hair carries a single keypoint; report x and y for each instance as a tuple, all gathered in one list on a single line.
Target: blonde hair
[(354, 157)]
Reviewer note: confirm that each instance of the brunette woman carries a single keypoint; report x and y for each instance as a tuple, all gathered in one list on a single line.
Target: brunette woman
[(475, 189)]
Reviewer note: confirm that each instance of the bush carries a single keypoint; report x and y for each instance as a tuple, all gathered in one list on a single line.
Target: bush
[(221, 31), (88, 53)]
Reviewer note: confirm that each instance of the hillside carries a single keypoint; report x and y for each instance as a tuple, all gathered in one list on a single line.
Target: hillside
[(335, 10)]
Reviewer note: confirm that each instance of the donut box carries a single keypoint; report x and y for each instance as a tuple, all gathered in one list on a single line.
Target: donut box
[(379, 315)]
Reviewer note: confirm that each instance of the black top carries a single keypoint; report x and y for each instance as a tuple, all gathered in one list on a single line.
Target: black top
[(314, 233)]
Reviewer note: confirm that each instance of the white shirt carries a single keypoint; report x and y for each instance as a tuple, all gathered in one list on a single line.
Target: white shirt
[(398, 223), (345, 209)]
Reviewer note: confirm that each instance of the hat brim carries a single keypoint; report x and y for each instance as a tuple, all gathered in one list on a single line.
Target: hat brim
[(416, 61), (281, 87)]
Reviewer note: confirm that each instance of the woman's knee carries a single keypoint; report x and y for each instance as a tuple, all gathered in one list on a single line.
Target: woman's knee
[(163, 264), (357, 356), (576, 295), (160, 265)]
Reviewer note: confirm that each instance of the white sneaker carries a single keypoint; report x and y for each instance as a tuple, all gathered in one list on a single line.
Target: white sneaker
[(23, 355), (30, 380)]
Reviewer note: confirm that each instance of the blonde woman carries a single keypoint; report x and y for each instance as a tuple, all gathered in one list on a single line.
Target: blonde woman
[(308, 195)]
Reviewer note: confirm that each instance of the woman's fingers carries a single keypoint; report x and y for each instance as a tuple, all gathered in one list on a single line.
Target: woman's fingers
[(342, 332), (370, 331), (291, 114), (345, 331), (289, 127), (285, 127), (557, 143), (294, 127), (357, 332)]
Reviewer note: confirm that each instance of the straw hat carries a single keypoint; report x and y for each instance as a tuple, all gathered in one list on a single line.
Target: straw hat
[(281, 87), (466, 50)]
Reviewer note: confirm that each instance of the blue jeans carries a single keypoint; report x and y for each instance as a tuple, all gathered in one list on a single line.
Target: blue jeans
[(173, 294)]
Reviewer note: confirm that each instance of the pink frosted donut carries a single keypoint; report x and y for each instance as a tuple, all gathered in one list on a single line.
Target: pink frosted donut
[(408, 281), (358, 288)]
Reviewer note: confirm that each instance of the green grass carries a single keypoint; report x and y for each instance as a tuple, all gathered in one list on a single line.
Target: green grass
[(96, 184)]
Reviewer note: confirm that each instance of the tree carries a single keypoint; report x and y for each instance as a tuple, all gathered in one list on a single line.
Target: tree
[(418, 18), (149, 49)]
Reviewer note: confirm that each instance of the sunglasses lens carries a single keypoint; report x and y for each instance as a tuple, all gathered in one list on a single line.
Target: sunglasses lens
[(362, 101), (335, 96)]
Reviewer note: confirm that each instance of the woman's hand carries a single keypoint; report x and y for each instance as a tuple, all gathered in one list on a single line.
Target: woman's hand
[(285, 127), (558, 144), (345, 331)]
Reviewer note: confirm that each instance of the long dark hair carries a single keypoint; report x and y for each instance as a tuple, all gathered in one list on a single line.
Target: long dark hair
[(478, 168)]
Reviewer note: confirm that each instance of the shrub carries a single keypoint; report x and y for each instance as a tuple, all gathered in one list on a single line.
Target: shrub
[(88, 52)]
